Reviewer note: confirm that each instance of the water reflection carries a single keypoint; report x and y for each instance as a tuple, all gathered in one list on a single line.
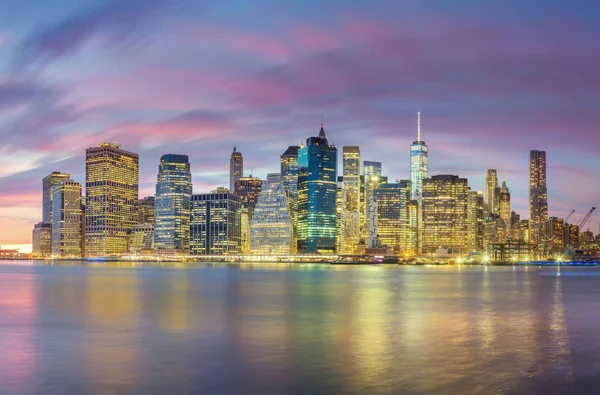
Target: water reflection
[(291, 329)]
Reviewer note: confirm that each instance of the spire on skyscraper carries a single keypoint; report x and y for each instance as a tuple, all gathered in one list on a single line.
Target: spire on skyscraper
[(322, 131), (419, 126)]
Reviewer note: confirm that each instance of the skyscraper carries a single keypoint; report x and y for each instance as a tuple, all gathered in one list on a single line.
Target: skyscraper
[(48, 183), (172, 204), (248, 189), (236, 168), (271, 225), (419, 168), (215, 224), (112, 178), (289, 171), (66, 219), (393, 215), (475, 221), (371, 180), (317, 190), (351, 173), (538, 195), (491, 183), (504, 199), (444, 213)]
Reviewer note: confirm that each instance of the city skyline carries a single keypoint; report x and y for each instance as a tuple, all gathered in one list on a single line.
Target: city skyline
[(55, 104)]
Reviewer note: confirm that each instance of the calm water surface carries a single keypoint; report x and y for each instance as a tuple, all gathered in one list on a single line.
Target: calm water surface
[(305, 329)]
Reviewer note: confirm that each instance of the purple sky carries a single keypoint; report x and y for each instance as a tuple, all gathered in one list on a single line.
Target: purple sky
[(492, 80)]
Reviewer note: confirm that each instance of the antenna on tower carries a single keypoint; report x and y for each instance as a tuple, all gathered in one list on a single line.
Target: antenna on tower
[(419, 126), (321, 119)]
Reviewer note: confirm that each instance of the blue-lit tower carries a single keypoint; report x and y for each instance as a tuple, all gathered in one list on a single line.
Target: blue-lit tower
[(418, 162), (317, 189), (172, 205)]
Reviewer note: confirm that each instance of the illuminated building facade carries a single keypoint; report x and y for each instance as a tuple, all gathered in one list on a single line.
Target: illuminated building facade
[(491, 185), (146, 210), (504, 199), (348, 224), (142, 239), (41, 244), (66, 219), (317, 193), (371, 180), (419, 166), (538, 195), (393, 215), (236, 168), (271, 225), (444, 213), (351, 173), (289, 180), (248, 189), (172, 205), (48, 183), (475, 221), (112, 178), (553, 238), (215, 224)]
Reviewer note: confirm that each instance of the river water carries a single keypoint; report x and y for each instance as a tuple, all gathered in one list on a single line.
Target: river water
[(298, 329)]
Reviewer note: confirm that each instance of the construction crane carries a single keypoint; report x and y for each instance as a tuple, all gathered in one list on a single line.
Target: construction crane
[(568, 217), (586, 218)]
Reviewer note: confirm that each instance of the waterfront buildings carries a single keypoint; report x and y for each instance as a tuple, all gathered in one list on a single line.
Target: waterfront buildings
[(538, 195), (444, 213), (351, 174), (112, 178), (419, 166), (289, 171), (504, 204), (146, 210), (41, 239), (271, 223), (393, 215), (236, 168), (317, 190), (248, 189), (348, 225), (215, 224), (67, 219), (491, 186), (48, 183), (370, 181), (172, 205), (475, 221), (142, 239), (553, 236)]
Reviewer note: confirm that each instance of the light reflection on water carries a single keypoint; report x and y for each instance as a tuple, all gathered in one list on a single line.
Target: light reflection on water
[(275, 329)]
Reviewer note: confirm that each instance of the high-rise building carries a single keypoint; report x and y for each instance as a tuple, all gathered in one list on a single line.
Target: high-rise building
[(172, 205), (289, 180), (236, 168), (504, 199), (66, 219), (348, 224), (317, 192), (248, 189), (445, 199), (393, 215), (48, 183), (538, 195), (146, 210), (370, 181), (215, 224), (351, 169), (491, 185), (475, 221), (289, 171), (419, 167), (271, 224), (41, 244), (112, 179), (553, 238)]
